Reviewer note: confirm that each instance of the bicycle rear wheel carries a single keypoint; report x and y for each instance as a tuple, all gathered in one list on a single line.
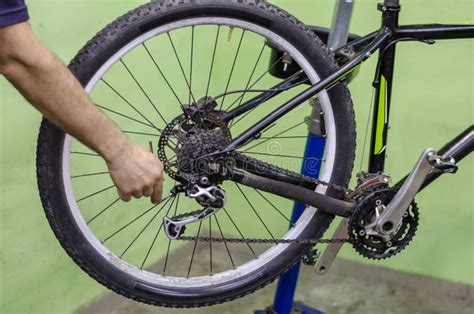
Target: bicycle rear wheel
[(126, 69)]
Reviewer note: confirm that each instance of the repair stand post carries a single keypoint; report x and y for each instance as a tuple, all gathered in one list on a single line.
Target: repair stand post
[(314, 151), (283, 302)]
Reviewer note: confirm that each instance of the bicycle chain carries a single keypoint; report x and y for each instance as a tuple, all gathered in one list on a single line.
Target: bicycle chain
[(262, 241), (251, 241)]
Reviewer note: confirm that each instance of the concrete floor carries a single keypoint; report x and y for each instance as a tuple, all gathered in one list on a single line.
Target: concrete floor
[(348, 288)]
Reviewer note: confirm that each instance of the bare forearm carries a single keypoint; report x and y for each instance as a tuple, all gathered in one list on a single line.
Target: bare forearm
[(49, 86)]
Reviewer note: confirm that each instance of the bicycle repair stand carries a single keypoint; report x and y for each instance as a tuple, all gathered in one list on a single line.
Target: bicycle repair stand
[(335, 37), (314, 151)]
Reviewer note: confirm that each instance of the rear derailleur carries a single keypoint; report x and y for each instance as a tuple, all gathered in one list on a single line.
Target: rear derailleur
[(212, 197)]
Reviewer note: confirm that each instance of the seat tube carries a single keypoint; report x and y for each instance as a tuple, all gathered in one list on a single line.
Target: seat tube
[(383, 90)]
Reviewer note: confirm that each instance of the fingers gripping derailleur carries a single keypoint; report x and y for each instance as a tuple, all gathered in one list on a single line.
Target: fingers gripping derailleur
[(211, 197)]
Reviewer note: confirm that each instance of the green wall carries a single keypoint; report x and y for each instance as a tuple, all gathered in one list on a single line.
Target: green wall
[(433, 99)]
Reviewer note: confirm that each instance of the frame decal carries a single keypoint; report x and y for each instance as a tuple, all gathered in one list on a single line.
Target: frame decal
[(381, 117)]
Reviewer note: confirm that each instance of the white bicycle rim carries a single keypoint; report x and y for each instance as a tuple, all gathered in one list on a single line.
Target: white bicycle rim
[(268, 255)]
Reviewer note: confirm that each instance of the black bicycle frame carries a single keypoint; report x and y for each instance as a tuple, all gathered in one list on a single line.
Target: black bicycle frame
[(326, 83), (384, 74), (385, 41)]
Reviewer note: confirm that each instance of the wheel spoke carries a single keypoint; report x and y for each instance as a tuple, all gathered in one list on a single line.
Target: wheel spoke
[(169, 240), (232, 69), (95, 193), (240, 233), (141, 133), (89, 174), (281, 137), (212, 61), (128, 117), (194, 250), (171, 147), (129, 103), (225, 242), (162, 74), (278, 134), (85, 154), (135, 219), (146, 226), (272, 205), (103, 211), (210, 246), (191, 64), (250, 111), (167, 256), (180, 66), (143, 91), (285, 156), (241, 97), (253, 208)]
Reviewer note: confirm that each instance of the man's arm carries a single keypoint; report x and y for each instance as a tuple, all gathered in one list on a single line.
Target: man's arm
[(49, 86)]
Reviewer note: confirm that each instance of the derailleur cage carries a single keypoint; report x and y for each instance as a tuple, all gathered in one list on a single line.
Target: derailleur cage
[(211, 197)]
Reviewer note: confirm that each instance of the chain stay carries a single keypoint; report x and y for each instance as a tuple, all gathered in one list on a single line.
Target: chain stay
[(346, 192)]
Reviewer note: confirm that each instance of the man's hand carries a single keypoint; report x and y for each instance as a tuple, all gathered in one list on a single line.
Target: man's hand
[(49, 86), (137, 173)]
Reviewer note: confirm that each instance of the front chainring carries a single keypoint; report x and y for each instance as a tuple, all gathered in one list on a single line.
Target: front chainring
[(374, 247)]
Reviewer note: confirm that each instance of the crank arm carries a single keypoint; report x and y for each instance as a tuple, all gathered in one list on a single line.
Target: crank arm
[(322, 202), (391, 216), (174, 227), (332, 249)]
